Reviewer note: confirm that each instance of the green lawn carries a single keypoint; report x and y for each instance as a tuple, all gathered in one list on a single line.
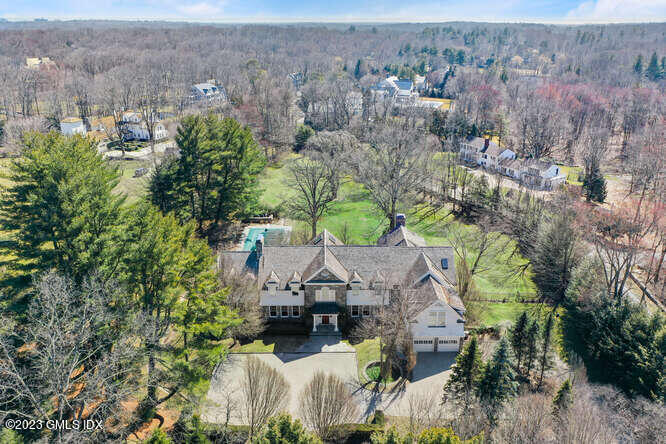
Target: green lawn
[(365, 225), (366, 351), (133, 187), (571, 173), (495, 312)]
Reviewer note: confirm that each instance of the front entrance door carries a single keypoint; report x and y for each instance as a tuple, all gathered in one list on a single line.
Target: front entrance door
[(325, 320)]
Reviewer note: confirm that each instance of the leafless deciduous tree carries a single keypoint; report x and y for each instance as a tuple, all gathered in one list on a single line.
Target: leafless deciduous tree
[(390, 322), (527, 420), (15, 129), (540, 125), (66, 363), (393, 166), (265, 392), (326, 401), (423, 411), (243, 298), (316, 185)]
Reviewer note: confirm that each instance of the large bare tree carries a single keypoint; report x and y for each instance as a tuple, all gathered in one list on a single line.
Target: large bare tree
[(326, 401), (392, 166), (316, 184), (265, 392), (67, 361)]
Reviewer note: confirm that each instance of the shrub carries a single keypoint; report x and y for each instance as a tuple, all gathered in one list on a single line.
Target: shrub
[(354, 433)]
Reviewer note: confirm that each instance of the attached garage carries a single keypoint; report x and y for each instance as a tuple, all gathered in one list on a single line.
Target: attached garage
[(448, 344), (424, 344)]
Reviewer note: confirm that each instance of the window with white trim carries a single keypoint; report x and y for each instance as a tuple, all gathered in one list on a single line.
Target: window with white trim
[(448, 341), (437, 319), (325, 295), (354, 311), (273, 311), (366, 310), (422, 341), (295, 311), (285, 311)]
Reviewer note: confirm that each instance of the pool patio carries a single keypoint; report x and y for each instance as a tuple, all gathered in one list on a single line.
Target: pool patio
[(273, 235)]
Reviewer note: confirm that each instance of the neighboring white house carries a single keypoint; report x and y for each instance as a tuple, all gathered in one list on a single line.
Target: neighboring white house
[(403, 90), (72, 125), (134, 128), (493, 154), (544, 175), (207, 91), (534, 173), (471, 148)]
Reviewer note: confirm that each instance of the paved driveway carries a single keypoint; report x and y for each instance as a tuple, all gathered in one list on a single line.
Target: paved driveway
[(320, 354), (431, 372), (329, 355)]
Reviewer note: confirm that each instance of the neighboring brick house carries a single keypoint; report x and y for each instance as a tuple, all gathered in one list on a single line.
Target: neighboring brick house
[(325, 283)]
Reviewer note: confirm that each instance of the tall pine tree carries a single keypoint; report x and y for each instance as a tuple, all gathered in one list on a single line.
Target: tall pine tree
[(465, 375), (497, 384), (544, 359)]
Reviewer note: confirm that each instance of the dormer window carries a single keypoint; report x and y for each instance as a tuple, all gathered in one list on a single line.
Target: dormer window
[(272, 288)]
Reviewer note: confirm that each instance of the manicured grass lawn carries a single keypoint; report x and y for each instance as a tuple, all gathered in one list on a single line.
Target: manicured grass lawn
[(133, 187), (365, 224), (571, 173), (4, 171), (256, 346), (495, 312), (366, 351), (273, 181)]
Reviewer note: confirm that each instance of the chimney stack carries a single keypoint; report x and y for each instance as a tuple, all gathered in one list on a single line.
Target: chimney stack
[(486, 142), (259, 245), (400, 220)]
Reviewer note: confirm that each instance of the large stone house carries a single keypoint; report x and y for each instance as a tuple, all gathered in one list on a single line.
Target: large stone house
[(326, 284)]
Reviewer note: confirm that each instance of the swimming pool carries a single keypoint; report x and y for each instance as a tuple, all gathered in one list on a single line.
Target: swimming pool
[(272, 237)]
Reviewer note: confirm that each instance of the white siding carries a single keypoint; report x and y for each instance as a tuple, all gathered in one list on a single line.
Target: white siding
[(282, 297), (452, 329), (364, 297)]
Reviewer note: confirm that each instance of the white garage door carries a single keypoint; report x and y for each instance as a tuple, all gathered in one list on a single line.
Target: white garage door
[(447, 344), (424, 344)]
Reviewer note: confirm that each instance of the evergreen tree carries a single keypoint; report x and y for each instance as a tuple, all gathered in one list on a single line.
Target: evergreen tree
[(158, 436), (303, 133), (216, 175), (531, 346), (60, 208), (563, 398), (171, 283), (497, 384), (556, 254), (465, 375), (545, 360), (594, 185), (282, 430), (196, 433), (518, 337), (638, 66), (653, 72)]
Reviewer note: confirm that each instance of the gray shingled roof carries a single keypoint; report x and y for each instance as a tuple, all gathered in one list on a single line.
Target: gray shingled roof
[(325, 237), (396, 264), (366, 260), (401, 236), (477, 142)]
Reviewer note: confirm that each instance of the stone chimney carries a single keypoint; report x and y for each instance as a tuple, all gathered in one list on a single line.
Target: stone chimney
[(400, 220)]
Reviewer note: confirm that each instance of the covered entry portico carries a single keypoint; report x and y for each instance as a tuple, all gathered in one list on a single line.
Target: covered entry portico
[(325, 316)]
